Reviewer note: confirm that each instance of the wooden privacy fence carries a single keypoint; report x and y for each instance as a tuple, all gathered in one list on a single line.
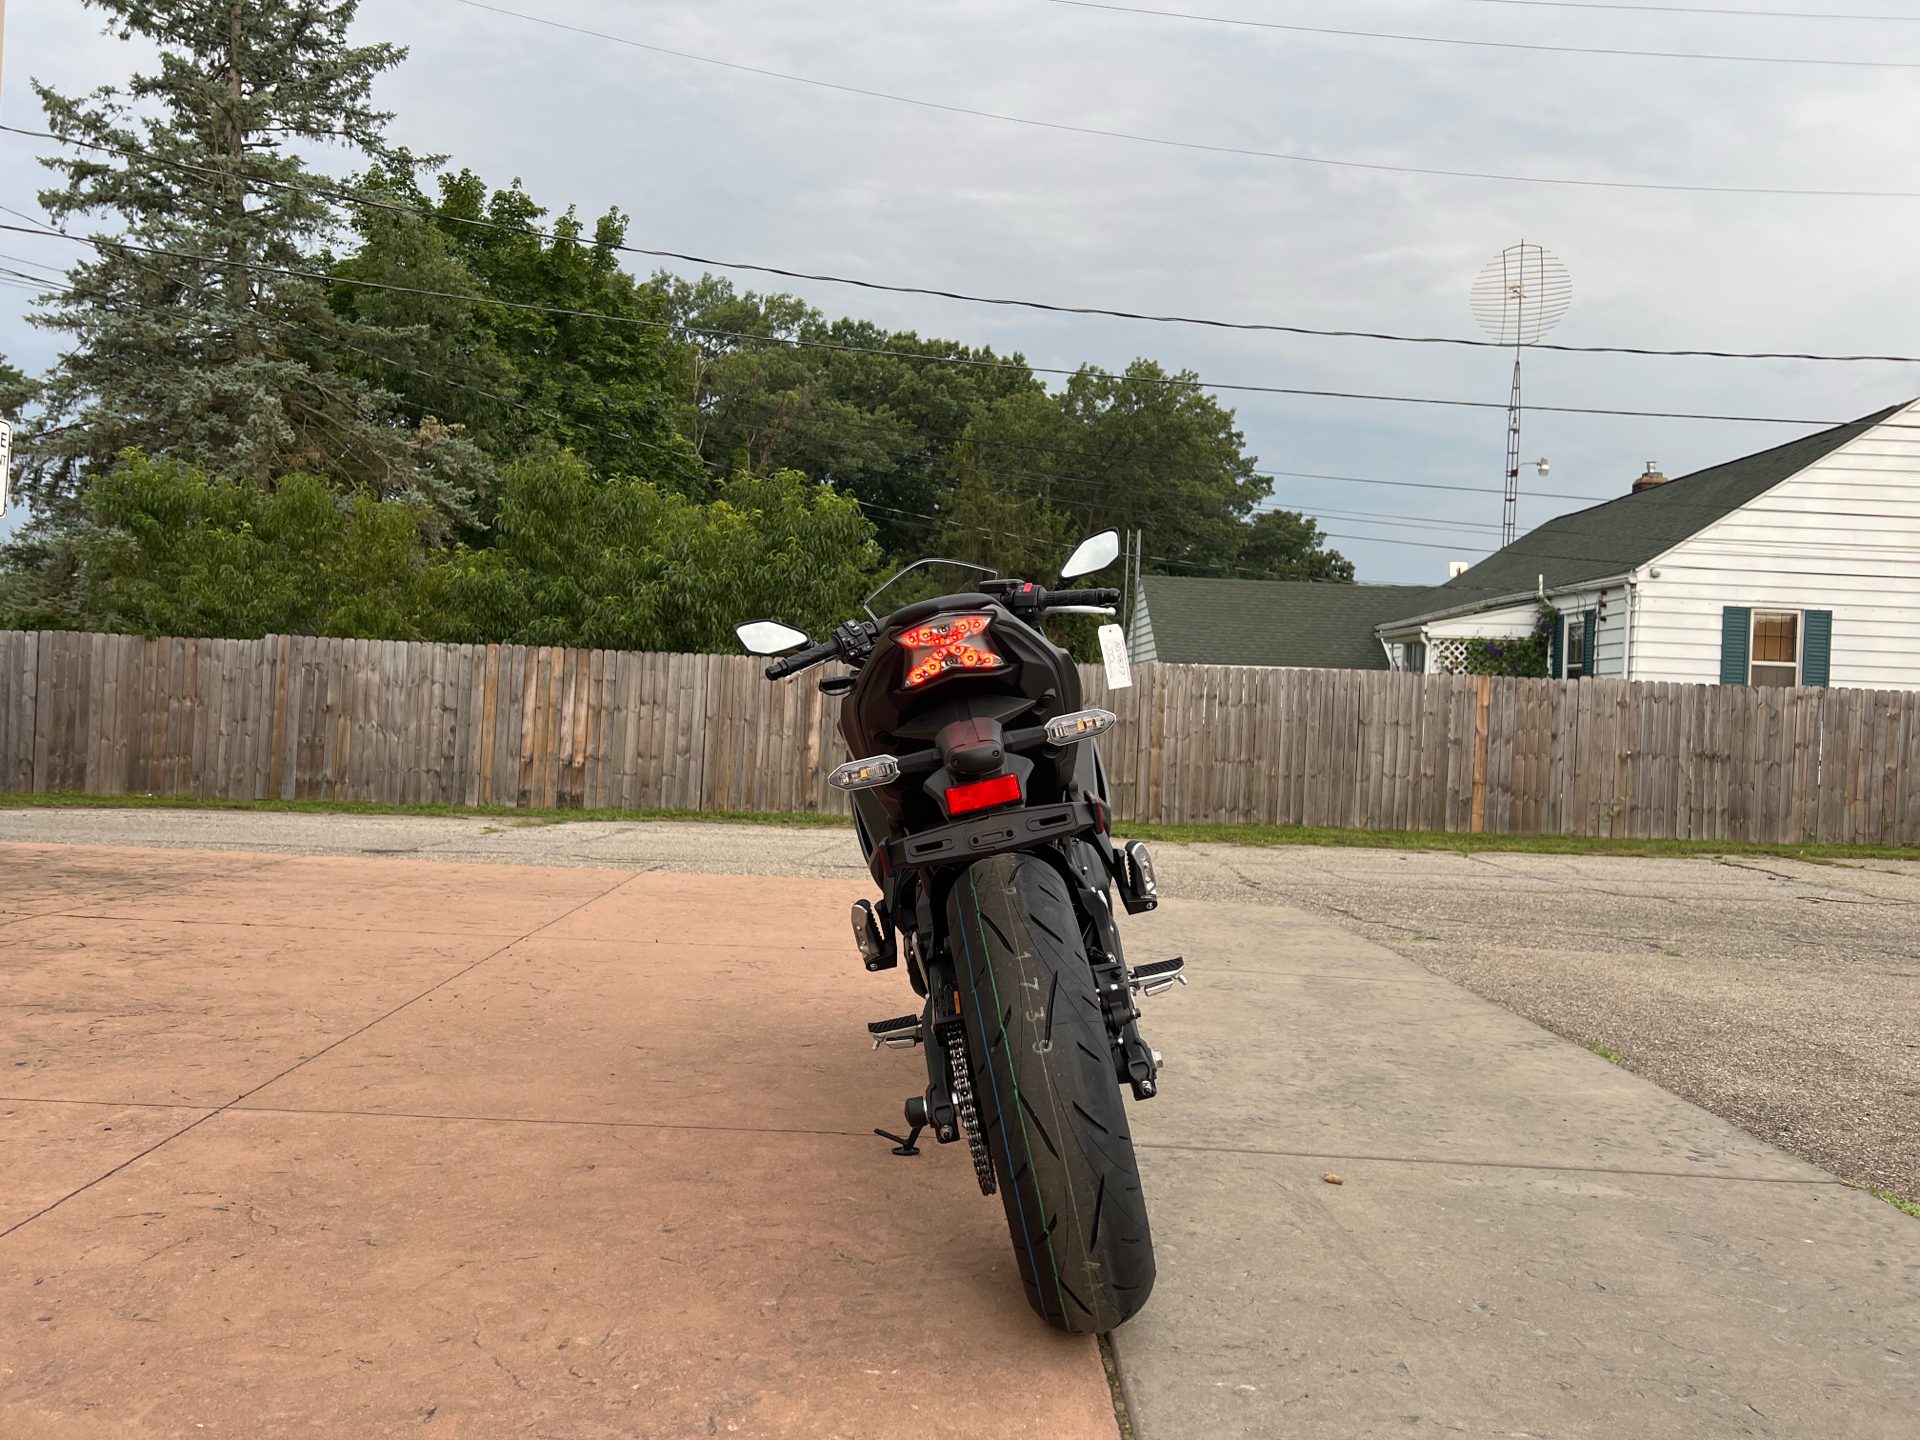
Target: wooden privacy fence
[(307, 717)]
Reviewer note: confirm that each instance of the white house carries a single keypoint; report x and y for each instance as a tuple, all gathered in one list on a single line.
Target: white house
[(1796, 566)]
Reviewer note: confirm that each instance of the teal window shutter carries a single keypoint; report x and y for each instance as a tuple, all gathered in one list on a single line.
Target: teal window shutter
[(1557, 649), (1816, 647), (1736, 630), (1592, 619)]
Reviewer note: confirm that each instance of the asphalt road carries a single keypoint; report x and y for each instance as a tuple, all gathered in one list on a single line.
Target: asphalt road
[(1781, 995)]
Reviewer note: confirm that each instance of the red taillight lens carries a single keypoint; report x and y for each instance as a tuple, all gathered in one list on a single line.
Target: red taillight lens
[(948, 642), (982, 793)]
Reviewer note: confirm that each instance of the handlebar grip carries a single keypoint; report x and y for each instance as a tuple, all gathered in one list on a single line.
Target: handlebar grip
[(1102, 596), (803, 659)]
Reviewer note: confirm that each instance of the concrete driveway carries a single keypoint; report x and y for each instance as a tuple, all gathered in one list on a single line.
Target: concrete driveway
[(375, 1144), (358, 1147)]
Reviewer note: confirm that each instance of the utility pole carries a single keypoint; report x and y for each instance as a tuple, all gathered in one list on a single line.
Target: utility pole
[(6, 430)]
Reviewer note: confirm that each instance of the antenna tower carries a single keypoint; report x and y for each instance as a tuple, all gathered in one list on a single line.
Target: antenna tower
[(1517, 299)]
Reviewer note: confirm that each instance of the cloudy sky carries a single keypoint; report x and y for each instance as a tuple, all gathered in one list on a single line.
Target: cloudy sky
[(736, 165)]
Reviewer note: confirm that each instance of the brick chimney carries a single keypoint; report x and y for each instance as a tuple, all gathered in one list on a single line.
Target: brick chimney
[(1647, 481)]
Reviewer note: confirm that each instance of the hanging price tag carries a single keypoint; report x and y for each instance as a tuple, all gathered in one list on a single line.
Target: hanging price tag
[(1113, 650)]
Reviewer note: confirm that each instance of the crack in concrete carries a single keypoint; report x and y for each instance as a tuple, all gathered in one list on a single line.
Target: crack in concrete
[(1318, 1155), (308, 1059)]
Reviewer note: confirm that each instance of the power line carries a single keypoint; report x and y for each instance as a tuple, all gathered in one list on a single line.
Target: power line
[(283, 324), (1693, 10), (1385, 518), (1732, 545), (428, 212), (1486, 44), (1464, 591), (279, 323), (100, 243), (1193, 145), (1381, 518)]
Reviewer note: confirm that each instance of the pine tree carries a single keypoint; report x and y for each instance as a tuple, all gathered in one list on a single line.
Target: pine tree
[(190, 341)]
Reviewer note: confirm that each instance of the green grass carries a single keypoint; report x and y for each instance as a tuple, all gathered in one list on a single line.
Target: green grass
[(1611, 1056), (516, 816), (1260, 835), (1475, 844), (1909, 1207)]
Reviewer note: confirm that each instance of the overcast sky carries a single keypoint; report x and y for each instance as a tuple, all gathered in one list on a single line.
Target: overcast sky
[(742, 166)]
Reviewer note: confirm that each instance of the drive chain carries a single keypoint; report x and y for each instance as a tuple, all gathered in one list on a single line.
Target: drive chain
[(969, 1116)]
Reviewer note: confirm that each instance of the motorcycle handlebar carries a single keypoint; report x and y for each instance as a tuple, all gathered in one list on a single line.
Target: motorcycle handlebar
[(803, 659), (1102, 596)]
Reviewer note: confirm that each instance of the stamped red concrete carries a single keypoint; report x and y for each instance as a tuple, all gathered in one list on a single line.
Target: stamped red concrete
[(383, 1145)]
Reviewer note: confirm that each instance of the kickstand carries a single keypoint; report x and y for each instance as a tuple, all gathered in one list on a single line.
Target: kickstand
[(902, 1146)]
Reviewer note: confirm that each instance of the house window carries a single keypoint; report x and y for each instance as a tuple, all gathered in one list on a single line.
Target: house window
[(1776, 648), (1574, 650), (1417, 657)]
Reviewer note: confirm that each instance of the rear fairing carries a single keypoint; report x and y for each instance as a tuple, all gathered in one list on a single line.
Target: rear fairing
[(881, 715)]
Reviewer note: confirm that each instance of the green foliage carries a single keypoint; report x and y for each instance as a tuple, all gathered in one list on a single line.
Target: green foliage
[(167, 550), (1142, 449), (1528, 657), (17, 391), (600, 387), (190, 342), (980, 461), (879, 427), (625, 564), (1286, 545), (163, 548)]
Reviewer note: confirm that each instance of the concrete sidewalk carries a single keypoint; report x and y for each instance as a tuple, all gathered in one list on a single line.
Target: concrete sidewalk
[(1527, 1240)]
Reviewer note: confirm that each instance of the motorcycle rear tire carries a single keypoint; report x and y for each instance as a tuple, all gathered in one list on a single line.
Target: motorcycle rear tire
[(1048, 1100)]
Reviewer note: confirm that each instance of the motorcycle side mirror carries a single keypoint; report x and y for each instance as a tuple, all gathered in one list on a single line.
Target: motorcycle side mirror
[(768, 637), (1096, 552)]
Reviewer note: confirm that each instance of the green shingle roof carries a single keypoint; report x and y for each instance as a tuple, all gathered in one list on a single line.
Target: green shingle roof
[(1623, 534), (1272, 622)]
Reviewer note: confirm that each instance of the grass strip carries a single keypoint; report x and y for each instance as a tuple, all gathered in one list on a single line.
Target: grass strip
[(1257, 835), (1268, 835), (515, 814), (1910, 1207)]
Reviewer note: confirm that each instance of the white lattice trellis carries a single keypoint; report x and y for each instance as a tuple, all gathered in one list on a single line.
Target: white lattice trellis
[(1446, 657)]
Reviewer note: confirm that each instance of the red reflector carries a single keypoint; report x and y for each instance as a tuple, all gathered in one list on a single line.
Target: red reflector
[(982, 793)]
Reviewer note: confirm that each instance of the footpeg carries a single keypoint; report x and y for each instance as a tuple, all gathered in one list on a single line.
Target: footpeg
[(1158, 977), (877, 948), (901, 1033), (1139, 891)]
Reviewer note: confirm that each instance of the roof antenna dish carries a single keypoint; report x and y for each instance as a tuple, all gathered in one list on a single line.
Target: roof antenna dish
[(1517, 299)]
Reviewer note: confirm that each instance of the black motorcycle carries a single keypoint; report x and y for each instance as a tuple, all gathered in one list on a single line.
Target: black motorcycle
[(981, 805)]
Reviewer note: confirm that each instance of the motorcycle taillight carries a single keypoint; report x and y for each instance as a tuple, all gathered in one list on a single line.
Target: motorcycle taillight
[(948, 642)]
